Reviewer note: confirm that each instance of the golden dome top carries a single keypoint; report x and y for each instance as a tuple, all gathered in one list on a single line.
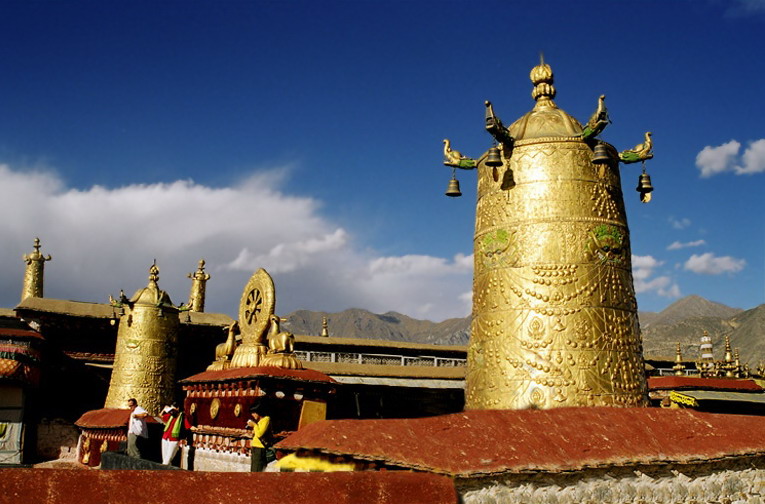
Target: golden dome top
[(152, 295), (545, 119)]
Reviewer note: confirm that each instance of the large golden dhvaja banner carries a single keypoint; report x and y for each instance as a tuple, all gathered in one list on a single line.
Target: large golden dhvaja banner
[(554, 311)]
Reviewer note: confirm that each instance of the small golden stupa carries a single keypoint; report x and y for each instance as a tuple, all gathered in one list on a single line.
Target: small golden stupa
[(554, 312)]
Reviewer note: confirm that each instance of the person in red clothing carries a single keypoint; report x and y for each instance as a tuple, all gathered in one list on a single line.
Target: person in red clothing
[(175, 422)]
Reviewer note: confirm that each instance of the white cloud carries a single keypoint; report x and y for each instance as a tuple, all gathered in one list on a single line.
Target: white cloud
[(103, 240), (676, 245), (679, 223), (753, 158), (724, 158), (643, 269), (709, 264), (714, 160)]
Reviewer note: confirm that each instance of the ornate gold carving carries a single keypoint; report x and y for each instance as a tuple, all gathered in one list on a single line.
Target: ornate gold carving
[(554, 310), (34, 272), (237, 409), (214, 408), (193, 408)]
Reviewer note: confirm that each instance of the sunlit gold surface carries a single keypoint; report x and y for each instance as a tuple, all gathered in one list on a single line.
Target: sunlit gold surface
[(281, 346), (34, 272), (554, 311), (198, 285), (255, 308), (147, 339)]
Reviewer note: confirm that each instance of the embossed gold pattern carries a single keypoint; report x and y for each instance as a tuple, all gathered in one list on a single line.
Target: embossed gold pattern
[(145, 355), (554, 310)]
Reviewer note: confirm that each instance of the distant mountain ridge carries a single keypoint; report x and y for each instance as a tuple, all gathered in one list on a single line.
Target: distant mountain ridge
[(684, 322)]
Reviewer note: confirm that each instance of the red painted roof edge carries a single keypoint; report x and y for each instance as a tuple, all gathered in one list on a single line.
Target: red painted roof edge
[(20, 333), (106, 418), (65, 486), (693, 382), (309, 375)]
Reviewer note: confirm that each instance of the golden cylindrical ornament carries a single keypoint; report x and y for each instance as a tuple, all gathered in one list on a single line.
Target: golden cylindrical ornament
[(34, 273), (554, 311), (146, 351)]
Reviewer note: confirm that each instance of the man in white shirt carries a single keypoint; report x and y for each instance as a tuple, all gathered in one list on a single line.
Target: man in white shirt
[(136, 428)]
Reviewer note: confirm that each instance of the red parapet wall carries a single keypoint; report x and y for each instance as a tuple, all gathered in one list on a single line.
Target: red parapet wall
[(62, 486)]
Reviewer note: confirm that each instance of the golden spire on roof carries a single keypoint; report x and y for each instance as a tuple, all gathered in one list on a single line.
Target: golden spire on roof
[(198, 286), (33, 275), (324, 327), (679, 367)]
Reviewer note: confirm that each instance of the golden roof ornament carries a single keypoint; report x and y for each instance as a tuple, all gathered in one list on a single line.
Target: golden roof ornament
[(34, 272), (263, 343), (147, 347), (554, 319), (542, 78), (679, 367), (324, 327), (198, 287)]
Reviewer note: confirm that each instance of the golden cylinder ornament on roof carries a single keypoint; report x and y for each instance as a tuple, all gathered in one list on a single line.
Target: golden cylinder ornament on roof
[(34, 274), (198, 287), (147, 347), (554, 320)]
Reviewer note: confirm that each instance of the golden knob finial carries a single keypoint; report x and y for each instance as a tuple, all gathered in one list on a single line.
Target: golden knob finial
[(324, 327), (542, 78), (154, 273)]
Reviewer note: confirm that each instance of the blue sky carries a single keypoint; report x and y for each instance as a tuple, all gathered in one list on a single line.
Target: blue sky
[(305, 137)]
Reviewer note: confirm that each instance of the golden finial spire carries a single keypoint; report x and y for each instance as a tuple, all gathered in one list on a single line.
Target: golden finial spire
[(542, 78), (728, 351), (324, 327), (154, 273), (679, 367), (198, 286), (33, 275)]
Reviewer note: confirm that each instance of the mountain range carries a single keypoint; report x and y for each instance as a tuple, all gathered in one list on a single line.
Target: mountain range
[(684, 322)]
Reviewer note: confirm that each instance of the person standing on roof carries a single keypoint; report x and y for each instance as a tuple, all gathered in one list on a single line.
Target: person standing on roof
[(175, 422), (137, 430), (261, 437)]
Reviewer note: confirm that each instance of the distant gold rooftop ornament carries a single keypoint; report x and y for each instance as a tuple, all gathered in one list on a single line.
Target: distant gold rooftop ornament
[(198, 286), (34, 273), (554, 319)]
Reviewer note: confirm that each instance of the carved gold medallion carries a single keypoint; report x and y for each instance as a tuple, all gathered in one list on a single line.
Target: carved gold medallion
[(214, 408)]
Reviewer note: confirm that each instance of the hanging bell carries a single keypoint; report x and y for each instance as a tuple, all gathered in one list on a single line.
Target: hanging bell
[(644, 187), (601, 155), (494, 158), (453, 190)]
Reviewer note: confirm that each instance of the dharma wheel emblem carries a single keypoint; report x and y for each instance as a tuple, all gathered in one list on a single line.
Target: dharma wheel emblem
[(256, 305)]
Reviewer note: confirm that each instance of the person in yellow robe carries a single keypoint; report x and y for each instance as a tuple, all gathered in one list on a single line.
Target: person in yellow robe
[(260, 423)]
